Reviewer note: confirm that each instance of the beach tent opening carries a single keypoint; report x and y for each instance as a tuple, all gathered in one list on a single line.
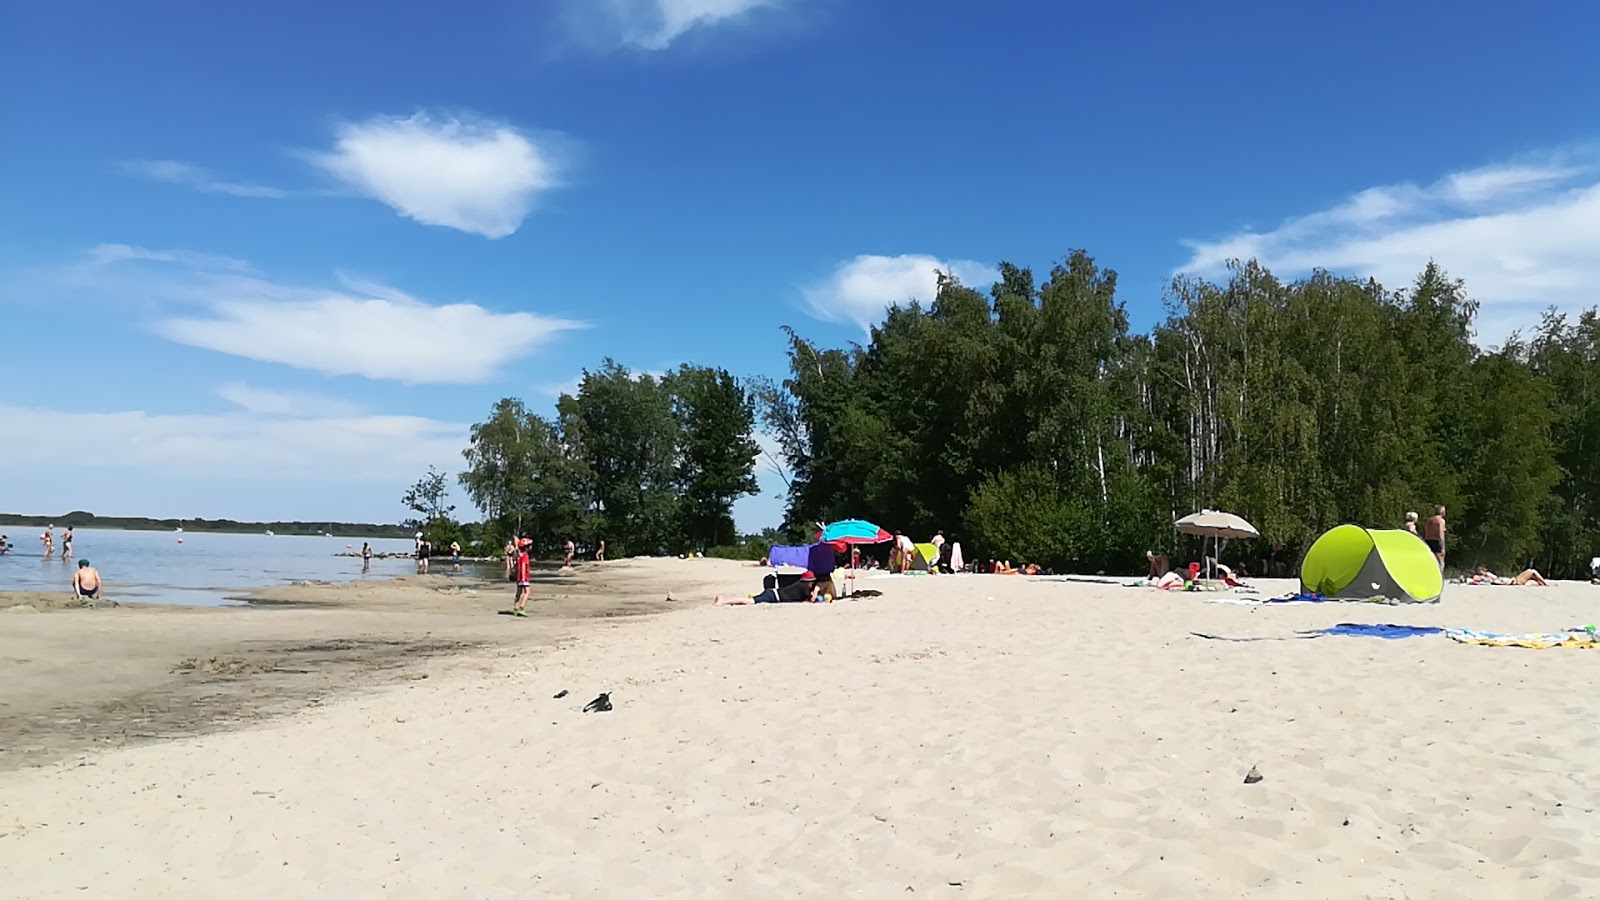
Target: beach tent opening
[(1354, 563)]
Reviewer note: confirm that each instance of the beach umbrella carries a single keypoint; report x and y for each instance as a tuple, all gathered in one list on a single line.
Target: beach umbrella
[(1217, 525), (853, 531), (845, 532)]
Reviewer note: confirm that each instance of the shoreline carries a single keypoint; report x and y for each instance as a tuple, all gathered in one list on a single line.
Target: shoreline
[(82, 681)]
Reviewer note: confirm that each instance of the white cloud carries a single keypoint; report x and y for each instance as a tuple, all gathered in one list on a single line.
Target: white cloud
[(1521, 235), (285, 404), (357, 447), (656, 24), (477, 177), (861, 290), (174, 172), (111, 254), (359, 328), (378, 335)]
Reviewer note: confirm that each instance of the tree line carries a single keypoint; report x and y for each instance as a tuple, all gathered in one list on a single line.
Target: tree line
[(649, 464), (1031, 422)]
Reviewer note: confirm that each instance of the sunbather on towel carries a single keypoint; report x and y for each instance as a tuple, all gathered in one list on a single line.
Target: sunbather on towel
[(1526, 576)]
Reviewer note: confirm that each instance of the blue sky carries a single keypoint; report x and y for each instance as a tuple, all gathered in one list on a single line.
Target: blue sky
[(271, 262)]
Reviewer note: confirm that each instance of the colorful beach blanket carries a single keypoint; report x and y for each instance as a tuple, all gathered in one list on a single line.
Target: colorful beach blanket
[(1578, 638)]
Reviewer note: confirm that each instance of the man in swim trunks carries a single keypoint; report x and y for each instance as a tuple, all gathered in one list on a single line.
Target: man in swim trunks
[(522, 569), (86, 583), (1433, 532)]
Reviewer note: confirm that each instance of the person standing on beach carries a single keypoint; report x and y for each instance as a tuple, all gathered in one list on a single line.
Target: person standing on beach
[(572, 550), (600, 552), (1433, 532), (522, 571), (1411, 522), (424, 550), (86, 583)]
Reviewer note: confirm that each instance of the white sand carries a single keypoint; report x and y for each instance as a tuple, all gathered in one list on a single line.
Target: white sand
[(977, 736)]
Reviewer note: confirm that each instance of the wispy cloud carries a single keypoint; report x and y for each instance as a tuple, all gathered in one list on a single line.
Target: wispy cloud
[(360, 447), (861, 290), (286, 404), (111, 254), (358, 328), (174, 172), (480, 177), (1522, 235), (656, 24)]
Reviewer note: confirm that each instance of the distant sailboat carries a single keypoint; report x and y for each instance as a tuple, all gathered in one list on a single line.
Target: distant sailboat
[(178, 530), (269, 532)]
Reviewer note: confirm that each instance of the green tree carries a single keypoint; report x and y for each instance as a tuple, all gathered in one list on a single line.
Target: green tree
[(520, 476), (716, 452), (622, 430), (428, 499)]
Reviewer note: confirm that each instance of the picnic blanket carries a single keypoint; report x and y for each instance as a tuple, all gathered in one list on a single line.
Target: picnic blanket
[(1579, 638)]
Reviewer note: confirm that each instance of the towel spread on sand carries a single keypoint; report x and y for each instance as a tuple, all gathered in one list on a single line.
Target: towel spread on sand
[(1343, 629), (1579, 638), (1386, 631)]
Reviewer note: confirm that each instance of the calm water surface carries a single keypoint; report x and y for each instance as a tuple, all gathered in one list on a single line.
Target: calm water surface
[(204, 570)]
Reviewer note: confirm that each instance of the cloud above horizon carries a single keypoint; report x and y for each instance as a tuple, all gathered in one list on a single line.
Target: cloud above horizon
[(174, 172), (285, 404), (359, 328), (478, 176), (1520, 234), (861, 290), (354, 446), (654, 25)]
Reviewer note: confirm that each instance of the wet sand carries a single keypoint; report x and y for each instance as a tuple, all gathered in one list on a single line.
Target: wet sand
[(80, 682)]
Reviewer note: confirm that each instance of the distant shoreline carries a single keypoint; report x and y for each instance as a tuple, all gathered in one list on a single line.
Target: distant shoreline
[(81, 520)]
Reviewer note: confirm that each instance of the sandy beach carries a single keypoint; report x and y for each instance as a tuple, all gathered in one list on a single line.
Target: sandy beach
[(972, 736)]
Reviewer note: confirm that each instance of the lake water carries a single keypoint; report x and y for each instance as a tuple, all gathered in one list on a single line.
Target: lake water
[(204, 570)]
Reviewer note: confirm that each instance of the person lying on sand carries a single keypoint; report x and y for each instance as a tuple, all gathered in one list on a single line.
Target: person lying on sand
[(810, 589), (1526, 576)]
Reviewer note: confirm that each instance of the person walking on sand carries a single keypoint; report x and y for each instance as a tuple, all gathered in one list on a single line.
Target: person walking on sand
[(86, 583), (522, 571), (1411, 522), (572, 549), (600, 552), (1433, 532)]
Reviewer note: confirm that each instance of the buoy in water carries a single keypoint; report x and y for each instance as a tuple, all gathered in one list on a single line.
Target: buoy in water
[(180, 540)]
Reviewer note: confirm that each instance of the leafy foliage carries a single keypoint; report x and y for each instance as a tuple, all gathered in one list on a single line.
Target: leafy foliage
[(1035, 421)]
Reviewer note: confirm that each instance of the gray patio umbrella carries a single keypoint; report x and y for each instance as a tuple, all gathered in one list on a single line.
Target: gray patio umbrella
[(1211, 523)]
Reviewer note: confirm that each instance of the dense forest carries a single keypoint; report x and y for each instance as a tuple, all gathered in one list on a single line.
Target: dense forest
[(1033, 424)]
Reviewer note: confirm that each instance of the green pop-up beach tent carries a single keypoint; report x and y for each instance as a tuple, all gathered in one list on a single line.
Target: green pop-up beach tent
[(1354, 563)]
